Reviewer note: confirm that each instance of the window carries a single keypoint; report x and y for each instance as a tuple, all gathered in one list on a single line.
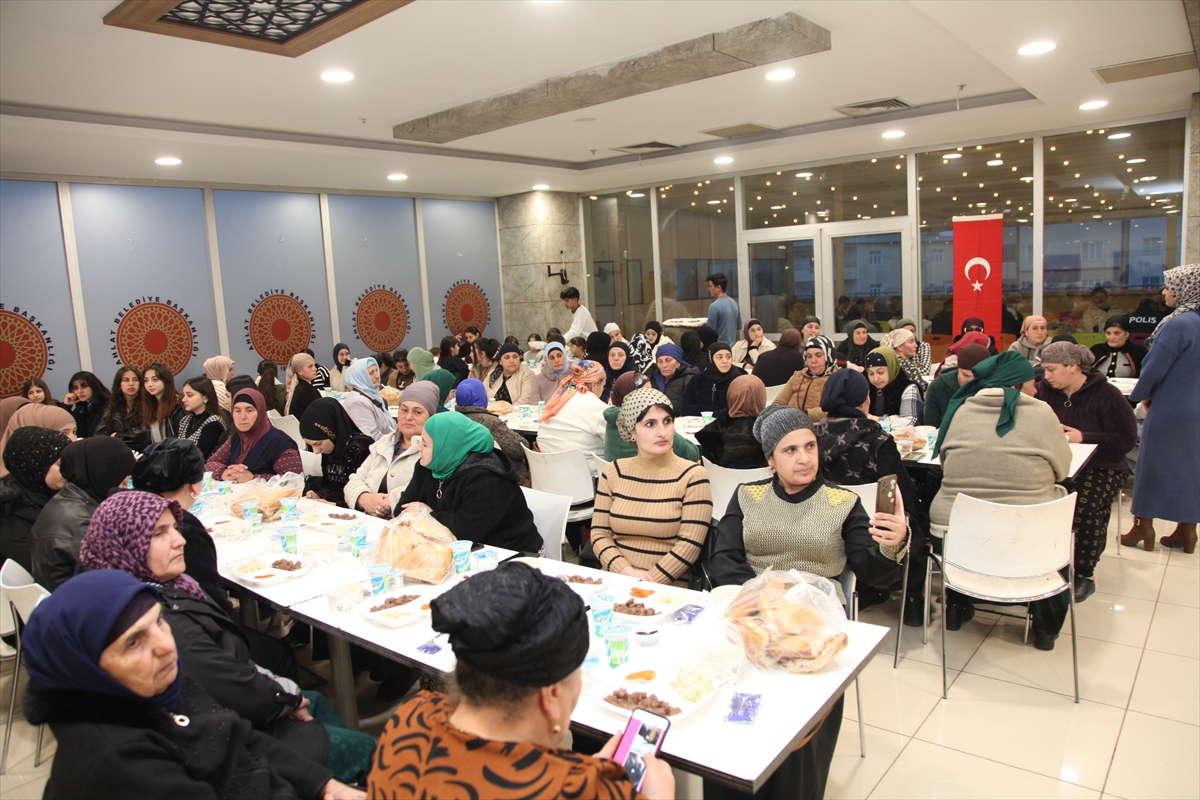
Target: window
[(618, 235), (874, 258), (1152, 245), (697, 237), (1091, 251), (937, 256), (782, 281), (868, 189)]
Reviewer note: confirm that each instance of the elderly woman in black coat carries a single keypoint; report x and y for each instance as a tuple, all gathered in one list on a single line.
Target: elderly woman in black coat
[(33, 478)]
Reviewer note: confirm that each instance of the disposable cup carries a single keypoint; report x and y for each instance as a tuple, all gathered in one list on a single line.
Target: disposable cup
[(206, 482), (318, 552), (462, 555), (249, 507), (255, 521), (358, 540), (287, 505), (287, 536), (379, 577), (343, 597), (616, 643), (602, 611), (721, 660), (706, 416), (486, 560), (904, 446)]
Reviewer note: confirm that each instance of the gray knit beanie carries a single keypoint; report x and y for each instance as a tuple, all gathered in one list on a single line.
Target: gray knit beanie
[(777, 421)]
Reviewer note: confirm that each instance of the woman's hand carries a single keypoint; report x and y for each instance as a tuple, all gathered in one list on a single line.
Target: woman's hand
[(416, 508), (1074, 435), (69, 400), (659, 783), (238, 473), (640, 574), (377, 505), (335, 790), (890, 529), (610, 747), (301, 713), (1146, 404)]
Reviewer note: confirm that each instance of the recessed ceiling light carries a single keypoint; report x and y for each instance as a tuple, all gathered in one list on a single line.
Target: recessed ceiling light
[(723, 160), (1097, 216), (780, 75), (1070, 200), (892, 134), (714, 202), (397, 176), (1036, 48), (593, 197), (337, 76), (541, 187), (1135, 161), (637, 194), (167, 161), (1119, 135), (951, 155), (995, 162), (1150, 178), (1027, 178), (1022, 220), (803, 174), (1092, 105)]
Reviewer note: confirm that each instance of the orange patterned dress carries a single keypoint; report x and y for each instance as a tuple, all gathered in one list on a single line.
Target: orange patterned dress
[(421, 754)]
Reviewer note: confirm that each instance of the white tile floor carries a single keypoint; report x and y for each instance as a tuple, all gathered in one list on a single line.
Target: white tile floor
[(1009, 728)]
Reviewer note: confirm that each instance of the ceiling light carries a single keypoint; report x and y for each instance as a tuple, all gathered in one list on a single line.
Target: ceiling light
[(1150, 178), (803, 174), (1135, 161), (593, 197), (1027, 178), (167, 161), (714, 202), (1119, 135), (1092, 105), (541, 187), (1036, 48), (780, 75), (951, 155), (776, 208), (1070, 200), (337, 76), (995, 162), (723, 160), (637, 194), (1097, 216), (892, 134), (397, 176)]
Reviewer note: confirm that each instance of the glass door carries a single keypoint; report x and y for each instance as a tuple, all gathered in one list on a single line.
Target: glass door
[(783, 283), (867, 275)]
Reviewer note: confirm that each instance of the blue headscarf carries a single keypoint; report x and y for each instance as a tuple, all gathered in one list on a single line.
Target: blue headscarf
[(558, 374), (471, 393), (674, 351), (69, 630), (357, 377)]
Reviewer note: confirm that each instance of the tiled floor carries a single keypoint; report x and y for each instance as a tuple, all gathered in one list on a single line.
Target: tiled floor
[(1009, 728)]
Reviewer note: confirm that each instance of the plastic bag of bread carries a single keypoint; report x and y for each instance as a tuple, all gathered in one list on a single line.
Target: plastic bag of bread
[(390, 394), (418, 545), (500, 408), (788, 621), (268, 493)]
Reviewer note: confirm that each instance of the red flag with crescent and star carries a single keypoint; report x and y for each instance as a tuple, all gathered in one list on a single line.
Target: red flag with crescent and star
[(978, 271)]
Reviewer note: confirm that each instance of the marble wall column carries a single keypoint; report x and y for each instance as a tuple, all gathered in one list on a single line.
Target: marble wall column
[(1192, 256), (534, 228)]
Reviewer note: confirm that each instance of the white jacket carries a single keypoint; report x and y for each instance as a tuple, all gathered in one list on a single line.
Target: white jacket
[(379, 463), (741, 346), (520, 386), (367, 415)]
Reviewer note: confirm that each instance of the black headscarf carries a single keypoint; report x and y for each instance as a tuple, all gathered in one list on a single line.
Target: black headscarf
[(713, 372), (612, 374), (515, 624), (167, 465), (693, 350), (30, 453), (857, 353), (97, 464), (708, 336), (597, 346), (844, 392), (326, 419)]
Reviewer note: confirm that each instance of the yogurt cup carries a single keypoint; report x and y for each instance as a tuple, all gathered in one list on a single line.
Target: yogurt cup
[(249, 507), (462, 555), (288, 504), (486, 560), (722, 660), (318, 552), (602, 611), (379, 577), (616, 643), (287, 537), (255, 521)]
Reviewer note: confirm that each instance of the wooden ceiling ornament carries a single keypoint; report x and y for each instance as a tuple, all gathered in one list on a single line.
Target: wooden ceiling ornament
[(279, 27)]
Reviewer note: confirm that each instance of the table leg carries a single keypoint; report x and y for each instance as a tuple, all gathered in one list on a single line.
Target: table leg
[(344, 699)]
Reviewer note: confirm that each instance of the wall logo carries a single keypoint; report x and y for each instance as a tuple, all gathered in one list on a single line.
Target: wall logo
[(149, 330), (26, 349), (466, 304), (278, 325), (381, 319)]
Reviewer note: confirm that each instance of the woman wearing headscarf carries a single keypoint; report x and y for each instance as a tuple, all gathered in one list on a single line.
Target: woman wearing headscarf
[(551, 373), (1118, 356), (255, 448), (1169, 390), (706, 391), (895, 400), (671, 373), (123, 416), (854, 348), (619, 361), (519, 639), (331, 434), (728, 441), (642, 346), (574, 417), (105, 673), (994, 426), (219, 369), (974, 325), (302, 371), (923, 357), (513, 381), (8, 407), (444, 380), (753, 344), (968, 338), (336, 375), (904, 344), (470, 400), (33, 478), (86, 402), (614, 446), (800, 519), (37, 415), (363, 402), (91, 468), (1034, 333), (652, 511), (810, 327), (596, 346), (422, 362), (377, 485), (803, 389), (693, 349), (776, 367), (948, 381)]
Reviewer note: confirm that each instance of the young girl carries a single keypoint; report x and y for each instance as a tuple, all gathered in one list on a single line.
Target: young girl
[(205, 422), (160, 402)]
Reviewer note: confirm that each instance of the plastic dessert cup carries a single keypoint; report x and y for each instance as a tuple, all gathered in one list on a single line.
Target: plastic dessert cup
[(462, 555), (616, 642)]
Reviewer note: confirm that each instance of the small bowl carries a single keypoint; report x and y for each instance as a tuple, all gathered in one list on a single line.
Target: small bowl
[(647, 638), (344, 597), (318, 552), (723, 595)]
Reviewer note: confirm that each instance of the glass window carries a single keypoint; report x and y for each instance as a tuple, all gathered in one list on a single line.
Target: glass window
[(782, 281), (982, 179), (1113, 224), (620, 255), (867, 189), (867, 280), (697, 237)]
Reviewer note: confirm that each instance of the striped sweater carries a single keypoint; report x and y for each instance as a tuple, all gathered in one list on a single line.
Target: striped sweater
[(652, 515)]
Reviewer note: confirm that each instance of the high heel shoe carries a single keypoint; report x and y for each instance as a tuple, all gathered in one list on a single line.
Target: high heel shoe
[(1142, 533), (1183, 537)]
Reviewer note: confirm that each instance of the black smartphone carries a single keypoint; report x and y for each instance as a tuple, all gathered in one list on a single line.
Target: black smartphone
[(885, 495), (644, 734)]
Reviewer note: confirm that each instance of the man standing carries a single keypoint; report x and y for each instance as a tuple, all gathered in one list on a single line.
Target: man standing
[(724, 316), (581, 319)]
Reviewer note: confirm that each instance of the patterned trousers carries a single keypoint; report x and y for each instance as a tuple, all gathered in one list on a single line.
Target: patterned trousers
[(1096, 489)]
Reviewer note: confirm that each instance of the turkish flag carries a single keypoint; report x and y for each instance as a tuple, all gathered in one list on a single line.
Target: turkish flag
[(978, 270)]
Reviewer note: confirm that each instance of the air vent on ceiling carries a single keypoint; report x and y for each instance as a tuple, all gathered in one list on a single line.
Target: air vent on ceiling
[(872, 107), (1164, 65), (745, 129), (646, 147)]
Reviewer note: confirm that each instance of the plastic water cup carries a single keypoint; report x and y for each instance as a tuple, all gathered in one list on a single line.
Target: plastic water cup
[(255, 521), (486, 560), (287, 535), (602, 611), (462, 555), (591, 666), (706, 417), (616, 642), (541, 407), (206, 482), (287, 505), (249, 507), (379, 577), (395, 579), (358, 540)]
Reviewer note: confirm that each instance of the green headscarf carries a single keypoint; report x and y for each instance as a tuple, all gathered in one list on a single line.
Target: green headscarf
[(1004, 371), (445, 380), (422, 362), (455, 436), (890, 358)]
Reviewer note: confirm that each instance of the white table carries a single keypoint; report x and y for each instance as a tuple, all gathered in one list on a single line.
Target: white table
[(1124, 385), (688, 426), (1080, 455)]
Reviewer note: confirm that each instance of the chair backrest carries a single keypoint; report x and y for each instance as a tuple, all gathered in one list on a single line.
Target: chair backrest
[(724, 483), (773, 391), (866, 493), (1006, 541), (312, 464), (600, 463), (21, 589), (849, 582), (550, 516), (273, 414), (291, 426), (566, 473)]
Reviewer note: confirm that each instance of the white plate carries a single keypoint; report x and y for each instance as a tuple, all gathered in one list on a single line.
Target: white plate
[(675, 600), (411, 612), (660, 687), (583, 589), (270, 576), (305, 564)]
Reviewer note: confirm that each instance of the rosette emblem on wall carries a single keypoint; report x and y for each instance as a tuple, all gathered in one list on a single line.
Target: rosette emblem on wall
[(381, 320), (23, 352), (154, 332), (279, 327), (466, 305)]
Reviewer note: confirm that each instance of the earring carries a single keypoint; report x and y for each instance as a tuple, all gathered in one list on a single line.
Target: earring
[(195, 496), (556, 729)]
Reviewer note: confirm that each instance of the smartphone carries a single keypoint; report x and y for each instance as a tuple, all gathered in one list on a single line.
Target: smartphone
[(644, 734), (885, 495)]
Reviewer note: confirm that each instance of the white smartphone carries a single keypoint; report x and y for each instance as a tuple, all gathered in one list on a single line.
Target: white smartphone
[(644, 734)]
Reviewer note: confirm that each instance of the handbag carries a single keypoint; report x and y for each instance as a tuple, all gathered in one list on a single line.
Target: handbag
[(700, 580)]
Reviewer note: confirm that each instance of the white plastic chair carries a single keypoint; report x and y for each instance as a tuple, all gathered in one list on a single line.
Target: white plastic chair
[(566, 473), (601, 464), (724, 483), (291, 426), (550, 512), (312, 464), (773, 391), (849, 583), (23, 595), (1010, 554)]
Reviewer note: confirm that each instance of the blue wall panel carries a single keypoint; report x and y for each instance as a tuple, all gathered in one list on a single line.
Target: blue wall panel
[(378, 271), (463, 261), (37, 327)]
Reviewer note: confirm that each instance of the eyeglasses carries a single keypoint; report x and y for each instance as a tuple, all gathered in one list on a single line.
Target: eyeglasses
[(975, 329)]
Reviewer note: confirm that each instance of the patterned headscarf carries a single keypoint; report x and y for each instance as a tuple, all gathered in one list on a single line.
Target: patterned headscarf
[(824, 344), (1184, 283), (635, 403), (581, 374), (120, 533), (33, 451), (36, 415)]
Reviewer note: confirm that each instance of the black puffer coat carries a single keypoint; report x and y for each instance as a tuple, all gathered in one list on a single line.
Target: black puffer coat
[(675, 386), (19, 509)]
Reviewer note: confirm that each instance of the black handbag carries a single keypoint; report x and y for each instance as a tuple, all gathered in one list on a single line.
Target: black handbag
[(700, 580)]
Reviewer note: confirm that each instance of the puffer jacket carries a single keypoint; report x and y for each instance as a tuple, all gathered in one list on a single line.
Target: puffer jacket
[(803, 391), (19, 509), (55, 537), (675, 386)]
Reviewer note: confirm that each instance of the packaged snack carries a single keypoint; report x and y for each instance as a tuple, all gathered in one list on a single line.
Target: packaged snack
[(743, 708), (788, 620), (687, 613)]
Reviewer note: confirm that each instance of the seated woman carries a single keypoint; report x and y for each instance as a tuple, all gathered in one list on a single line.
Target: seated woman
[(255, 448), (513, 382), (949, 380), (91, 469), (553, 370), (444, 380), (37, 392), (301, 393), (470, 400), (37, 415), (123, 416), (753, 344), (895, 400), (578, 347), (642, 345), (652, 511), (706, 391), (160, 402), (619, 361), (448, 359), (105, 674), (519, 639), (470, 487), (854, 348), (33, 478), (762, 529), (975, 325), (810, 327), (671, 374), (614, 446), (483, 360), (403, 377), (86, 401), (968, 338), (331, 434), (923, 358), (776, 367), (994, 426), (138, 533), (728, 441), (1117, 356), (574, 417), (422, 362), (377, 485), (362, 400), (204, 423), (693, 349), (904, 344), (335, 376), (386, 367), (274, 392), (219, 369), (803, 389), (596, 347), (1034, 335)]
